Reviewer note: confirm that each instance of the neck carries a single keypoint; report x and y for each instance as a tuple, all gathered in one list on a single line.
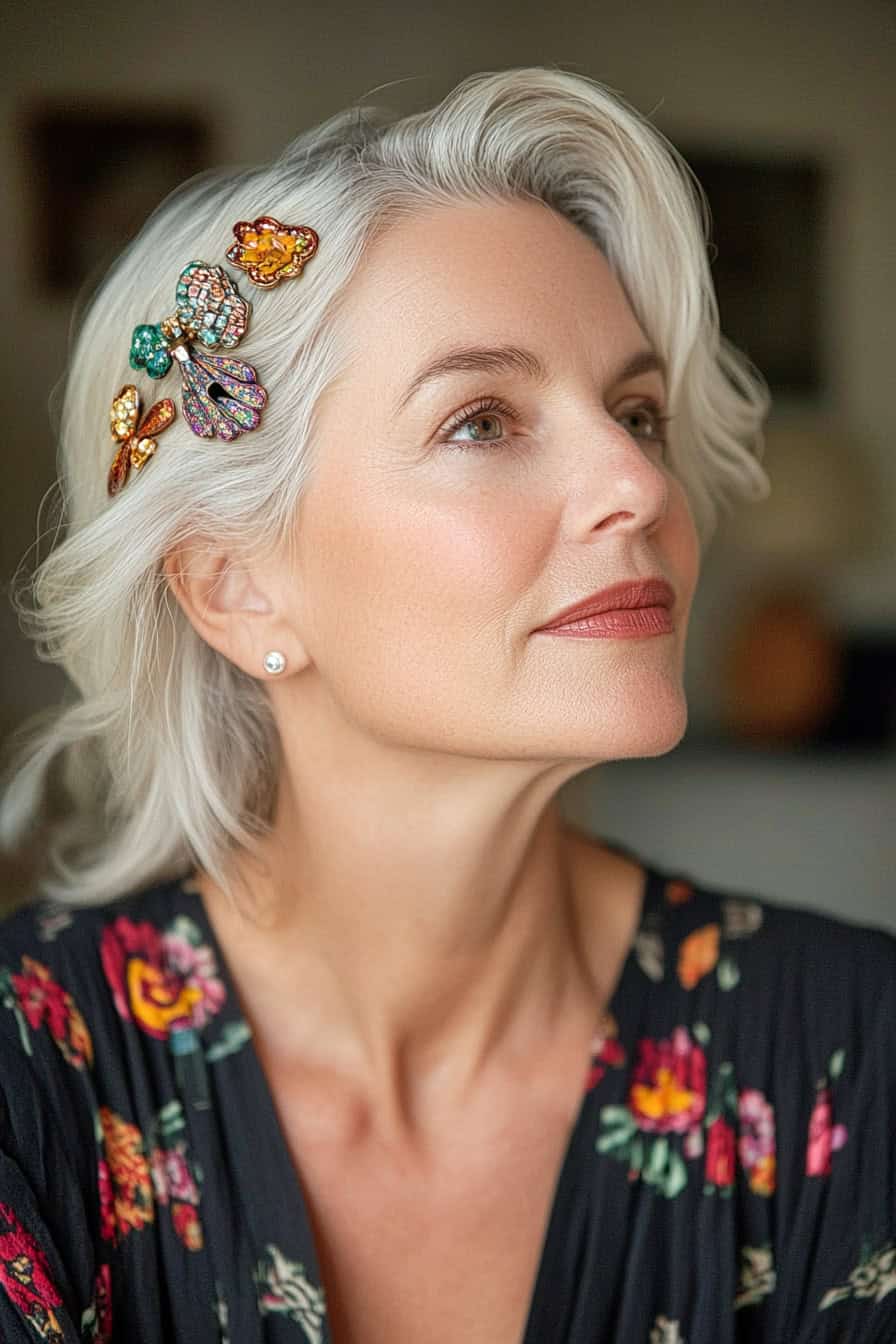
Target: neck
[(406, 928)]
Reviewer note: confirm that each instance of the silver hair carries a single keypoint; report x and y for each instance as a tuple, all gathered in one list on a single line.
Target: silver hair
[(168, 755)]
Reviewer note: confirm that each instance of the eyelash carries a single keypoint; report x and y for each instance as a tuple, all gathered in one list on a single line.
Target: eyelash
[(493, 404)]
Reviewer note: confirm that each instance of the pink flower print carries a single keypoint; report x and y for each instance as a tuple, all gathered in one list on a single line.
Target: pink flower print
[(824, 1136), (171, 1176), (756, 1141), (194, 963)]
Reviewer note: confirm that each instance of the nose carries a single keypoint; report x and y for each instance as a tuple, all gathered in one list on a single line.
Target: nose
[(620, 481)]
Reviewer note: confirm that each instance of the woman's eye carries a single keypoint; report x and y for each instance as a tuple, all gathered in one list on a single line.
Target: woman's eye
[(484, 421), (483, 424), (653, 423)]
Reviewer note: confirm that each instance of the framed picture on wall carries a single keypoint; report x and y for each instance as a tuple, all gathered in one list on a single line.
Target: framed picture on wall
[(95, 172), (769, 216)]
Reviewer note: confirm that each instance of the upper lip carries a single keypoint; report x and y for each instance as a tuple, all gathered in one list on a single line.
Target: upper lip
[(653, 592)]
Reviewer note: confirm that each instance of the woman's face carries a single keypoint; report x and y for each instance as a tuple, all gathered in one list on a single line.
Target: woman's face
[(427, 555)]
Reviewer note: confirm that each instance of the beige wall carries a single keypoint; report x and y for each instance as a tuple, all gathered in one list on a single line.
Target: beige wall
[(812, 76)]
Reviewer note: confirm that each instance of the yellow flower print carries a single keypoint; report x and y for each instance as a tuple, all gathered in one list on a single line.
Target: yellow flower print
[(128, 1170)]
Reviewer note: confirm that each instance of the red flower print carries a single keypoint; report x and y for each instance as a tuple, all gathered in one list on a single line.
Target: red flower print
[(824, 1136), (25, 1277), (668, 1089), (187, 1225), (41, 1000), (678, 892), (148, 989), (720, 1153), (606, 1051)]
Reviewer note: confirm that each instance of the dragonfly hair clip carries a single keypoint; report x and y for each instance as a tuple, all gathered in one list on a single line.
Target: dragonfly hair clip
[(221, 395)]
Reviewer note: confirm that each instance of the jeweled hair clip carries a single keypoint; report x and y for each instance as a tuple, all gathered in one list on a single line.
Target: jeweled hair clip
[(270, 251), (221, 395), (136, 442)]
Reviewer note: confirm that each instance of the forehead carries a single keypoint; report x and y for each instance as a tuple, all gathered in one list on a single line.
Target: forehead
[(495, 271)]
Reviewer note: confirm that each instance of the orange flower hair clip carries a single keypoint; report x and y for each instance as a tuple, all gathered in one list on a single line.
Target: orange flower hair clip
[(270, 251)]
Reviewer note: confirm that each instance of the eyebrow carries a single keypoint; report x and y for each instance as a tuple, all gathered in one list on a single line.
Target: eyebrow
[(514, 359)]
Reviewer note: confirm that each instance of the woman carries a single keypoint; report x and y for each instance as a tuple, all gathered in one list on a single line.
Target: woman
[(328, 1026)]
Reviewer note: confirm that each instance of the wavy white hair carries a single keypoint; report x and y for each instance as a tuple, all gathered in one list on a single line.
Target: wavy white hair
[(169, 755)]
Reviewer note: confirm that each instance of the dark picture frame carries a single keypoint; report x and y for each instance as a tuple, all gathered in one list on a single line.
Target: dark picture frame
[(769, 221), (95, 171)]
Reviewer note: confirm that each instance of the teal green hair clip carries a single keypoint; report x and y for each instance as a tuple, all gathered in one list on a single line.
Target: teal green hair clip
[(221, 395)]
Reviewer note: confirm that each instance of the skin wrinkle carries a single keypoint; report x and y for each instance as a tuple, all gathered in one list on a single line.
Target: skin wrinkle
[(431, 931)]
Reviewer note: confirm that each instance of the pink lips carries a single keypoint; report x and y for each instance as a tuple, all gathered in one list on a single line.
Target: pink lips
[(623, 611)]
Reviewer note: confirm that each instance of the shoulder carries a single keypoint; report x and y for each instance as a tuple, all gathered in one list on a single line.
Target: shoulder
[(52, 981), (64, 991), (79, 943), (794, 998), (794, 1011), (790, 954)]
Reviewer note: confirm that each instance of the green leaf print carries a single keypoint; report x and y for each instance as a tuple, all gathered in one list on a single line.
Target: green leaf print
[(186, 928), (728, 973), (665, 1169), (617, 1128), (234, 1036), (170, 1120), (676, 1175), (657, 1162), (9, 1000)]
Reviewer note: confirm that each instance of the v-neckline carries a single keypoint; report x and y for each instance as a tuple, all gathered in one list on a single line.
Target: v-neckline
[(289, 1222)]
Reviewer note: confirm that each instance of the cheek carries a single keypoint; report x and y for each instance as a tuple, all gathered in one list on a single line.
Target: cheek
[(466, 558), (688, 541)]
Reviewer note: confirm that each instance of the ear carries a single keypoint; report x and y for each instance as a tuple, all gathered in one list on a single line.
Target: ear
[(235, 606)]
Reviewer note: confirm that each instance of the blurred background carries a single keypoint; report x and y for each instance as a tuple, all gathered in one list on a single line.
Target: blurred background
[(785, 783)]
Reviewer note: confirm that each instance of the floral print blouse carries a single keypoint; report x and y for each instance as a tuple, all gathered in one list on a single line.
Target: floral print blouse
[(730, 1176)]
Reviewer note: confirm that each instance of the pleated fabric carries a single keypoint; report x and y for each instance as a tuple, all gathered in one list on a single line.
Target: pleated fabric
[(730, 1176)]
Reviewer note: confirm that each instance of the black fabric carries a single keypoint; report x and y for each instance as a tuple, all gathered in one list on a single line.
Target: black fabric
[(731, 1175)]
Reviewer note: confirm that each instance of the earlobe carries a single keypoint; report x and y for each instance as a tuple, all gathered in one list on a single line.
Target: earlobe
[(224, 602), (211, 583)]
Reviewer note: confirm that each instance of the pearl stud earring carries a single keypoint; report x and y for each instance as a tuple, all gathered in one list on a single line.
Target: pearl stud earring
[(274, 662)]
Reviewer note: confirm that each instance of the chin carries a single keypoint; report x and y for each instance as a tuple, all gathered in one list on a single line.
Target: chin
[(654, 731)]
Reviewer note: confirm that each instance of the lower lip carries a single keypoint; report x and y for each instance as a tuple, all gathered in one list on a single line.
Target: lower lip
[(633, 623)]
